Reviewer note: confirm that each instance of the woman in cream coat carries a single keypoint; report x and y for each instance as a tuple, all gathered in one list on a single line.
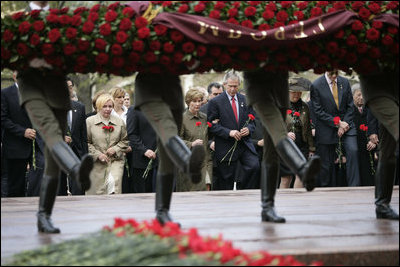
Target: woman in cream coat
[(107, 140)]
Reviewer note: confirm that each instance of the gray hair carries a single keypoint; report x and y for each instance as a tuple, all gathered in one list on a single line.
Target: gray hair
[(231, 75), (355, 87)]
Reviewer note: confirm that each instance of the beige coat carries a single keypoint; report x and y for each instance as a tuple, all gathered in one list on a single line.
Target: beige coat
[(99, 140)]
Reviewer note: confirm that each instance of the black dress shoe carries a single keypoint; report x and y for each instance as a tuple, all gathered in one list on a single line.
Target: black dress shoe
[(45, 225), (163, 217), (269, 215), (386, 212)]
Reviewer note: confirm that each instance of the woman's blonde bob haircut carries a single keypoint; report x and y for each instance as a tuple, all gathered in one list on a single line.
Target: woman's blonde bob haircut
[(102, 99), (193, 94)]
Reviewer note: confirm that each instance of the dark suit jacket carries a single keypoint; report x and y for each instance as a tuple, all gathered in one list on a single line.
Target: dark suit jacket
[(220, 108), (78, 129), (141, 137), (325, 109), (14, 122)]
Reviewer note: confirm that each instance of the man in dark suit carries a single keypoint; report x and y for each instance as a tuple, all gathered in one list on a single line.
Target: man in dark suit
[(331, 96), (143, 140), (76, 138), (17, 141), (231, 111)]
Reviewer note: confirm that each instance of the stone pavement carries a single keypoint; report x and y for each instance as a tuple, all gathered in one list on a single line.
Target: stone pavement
[(335, 225)]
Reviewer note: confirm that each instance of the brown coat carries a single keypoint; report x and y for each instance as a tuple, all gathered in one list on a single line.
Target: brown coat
[(99, 140)]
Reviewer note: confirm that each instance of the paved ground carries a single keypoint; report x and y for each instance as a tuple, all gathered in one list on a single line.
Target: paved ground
[(336, 225)]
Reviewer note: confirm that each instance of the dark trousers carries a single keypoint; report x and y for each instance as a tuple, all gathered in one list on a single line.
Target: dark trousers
[(226, 172), (327, 175), (71, 186), (141, 184), (352, 167), (16, 177)]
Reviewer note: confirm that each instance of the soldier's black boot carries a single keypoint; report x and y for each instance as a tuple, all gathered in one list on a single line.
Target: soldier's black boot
[(384, 179), (48, 193), (297, 163), (190, 162), (164, 188), (269, 179), (72, 165)]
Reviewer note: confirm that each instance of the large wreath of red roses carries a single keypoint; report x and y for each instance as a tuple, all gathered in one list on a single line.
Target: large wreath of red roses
[(117, 39)]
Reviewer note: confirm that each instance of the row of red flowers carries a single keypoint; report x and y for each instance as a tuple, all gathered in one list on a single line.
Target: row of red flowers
[(190, 242), (114, 39)]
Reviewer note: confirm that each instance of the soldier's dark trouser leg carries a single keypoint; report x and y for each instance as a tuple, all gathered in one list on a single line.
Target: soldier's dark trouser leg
[(268, 181), (386, 110), (58, 155)]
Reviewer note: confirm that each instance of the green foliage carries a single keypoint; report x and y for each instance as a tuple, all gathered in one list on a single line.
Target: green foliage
[(106, 249)]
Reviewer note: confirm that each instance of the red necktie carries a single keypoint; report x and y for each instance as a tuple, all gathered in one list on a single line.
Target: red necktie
[(234, 109)]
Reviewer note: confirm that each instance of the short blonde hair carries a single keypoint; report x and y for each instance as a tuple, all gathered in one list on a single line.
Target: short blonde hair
[(193, 94), (102, 99), (116, 92)]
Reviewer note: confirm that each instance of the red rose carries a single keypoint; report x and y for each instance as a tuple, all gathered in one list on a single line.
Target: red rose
[(138, 45), (357, 5), (134, 57), (116, 49), (374, 7), (357, 25), (100, 44), (54, 35), (70, 33), (198, 123), (339, 5), (250, 11), (93, 16), (215, 51), (224, 59), (121, 37), (215, 14), (82, 60), (233, 21), (268, 14), (69, 49), (166, 3), (264, 27), (393, 30), (24, 27), (377, 24), (111, 15), (374, 52), (117, 62), (8, 36), (101, 58), (332, 47), (247, 23), (105, 29), (278, 24), (22, 49), (47, 49), (128, 12), (364, 13), (95, 8), (372, 34), (219, 5), (362, 48), (76, 20), (165, 60), (339, 34), (201, 50), (282, 16), (64, 20), (88, 27), (125, 24), (160, 29), (351, 58), (34, 40), (168, 48), (5, 54), (271, 6), (143, 33), (289, 111), (336, 120), (140, 22), (392, 5), (17, 15), (176, 36), (316, 11), (351, 40), (232, 12), (199, 8), (183, 8), (52, 18), (150, 57), (302, 5), (177, 58), (38, 25), (188, 47), (155, 45)]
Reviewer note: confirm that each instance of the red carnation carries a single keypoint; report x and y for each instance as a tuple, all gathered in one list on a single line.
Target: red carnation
[(70, 33), (111, 15), (54, 35), (198, 123), (176, 36), (183, 8), (8, 36), (209, 124), (101, 58), (34, 40), (125, 24), (143, 33), (251, 117), (297, 114), (289, 111), (219, 5), (165, 60), (362, 48), (264, 27), (299, 14), (24, 27), (233, 21), (282, 16), (215, 14), (247, 23), (76, 20), (22, 49), (160, 29), (393, 30), (47, 49), (138, 45), (302, 5), (140, 22), (100, 44), (387, 40), (64, 20), (250, 11), (116, 49), (121, 37), (374, 7), (134, 57), (105, 29), (372, 34), (178, 56), (188, 47), (88, 27), (128, 12), (17, 15), (268, 14), (351, 40), (336, 120), (69, 49), (377, 24), (117, 62), (168, 47), (201, 50), (38, 25), (364, 13), (357, 5), (93, 16), (199, 8), (316, 11), (150, 57), (155, 45), (232, 12), (82, 60), (357, 25)]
